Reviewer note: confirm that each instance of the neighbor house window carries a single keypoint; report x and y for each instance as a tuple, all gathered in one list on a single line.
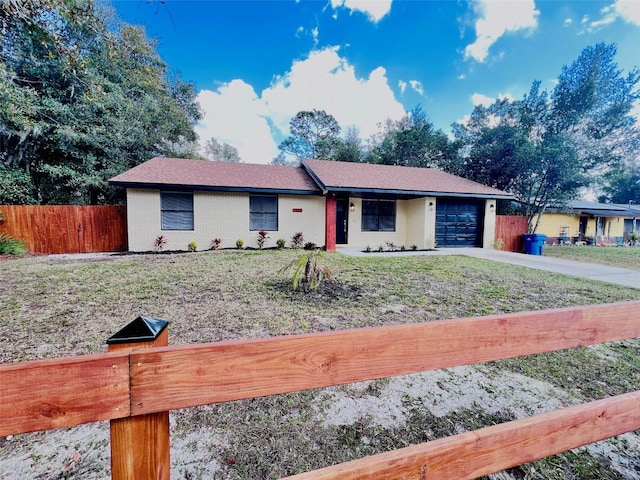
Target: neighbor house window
[(263, 212), (177, 210), (378, 215)]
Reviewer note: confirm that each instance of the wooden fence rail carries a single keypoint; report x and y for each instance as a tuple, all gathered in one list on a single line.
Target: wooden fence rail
[(66, 228), (131, 384)]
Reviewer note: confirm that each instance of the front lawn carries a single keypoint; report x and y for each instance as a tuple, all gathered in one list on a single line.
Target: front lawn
[(51, 308), (623, 257)]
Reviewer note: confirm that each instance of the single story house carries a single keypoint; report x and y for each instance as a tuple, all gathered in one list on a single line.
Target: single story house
[(332, 203), (603, 222)]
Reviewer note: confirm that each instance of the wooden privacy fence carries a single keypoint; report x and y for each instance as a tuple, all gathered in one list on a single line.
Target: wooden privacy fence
[(67, 228), (136, 389), (510, 229)]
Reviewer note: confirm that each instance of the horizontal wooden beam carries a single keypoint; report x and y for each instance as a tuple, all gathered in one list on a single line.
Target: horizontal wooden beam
[(185, 376), (492, 449), (62, 392)]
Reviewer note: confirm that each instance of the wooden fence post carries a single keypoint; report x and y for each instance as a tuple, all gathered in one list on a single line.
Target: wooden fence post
[(140, 444)]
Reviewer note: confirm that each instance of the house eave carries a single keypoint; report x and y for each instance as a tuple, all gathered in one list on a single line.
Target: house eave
[(214, 188), (363, 192)]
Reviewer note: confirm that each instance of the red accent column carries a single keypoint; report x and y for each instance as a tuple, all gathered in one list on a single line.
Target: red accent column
[(330, 224)]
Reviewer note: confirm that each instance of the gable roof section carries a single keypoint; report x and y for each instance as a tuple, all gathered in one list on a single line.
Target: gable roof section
[(367, 178), (185, 174)]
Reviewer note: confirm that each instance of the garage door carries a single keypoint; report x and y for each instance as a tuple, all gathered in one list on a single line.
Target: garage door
[(459, 223)]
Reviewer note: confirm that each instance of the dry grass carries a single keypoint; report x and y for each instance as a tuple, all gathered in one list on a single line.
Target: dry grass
[(50, 308), (623, 257)]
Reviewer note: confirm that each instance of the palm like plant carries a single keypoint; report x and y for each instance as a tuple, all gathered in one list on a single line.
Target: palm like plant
[(307, 274)]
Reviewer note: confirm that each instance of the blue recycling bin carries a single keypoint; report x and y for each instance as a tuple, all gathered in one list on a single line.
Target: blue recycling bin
[(534, 243)]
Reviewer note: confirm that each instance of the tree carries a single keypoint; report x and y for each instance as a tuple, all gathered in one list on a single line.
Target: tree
[(622, 185), (282, 161), (545, 149), (411, 141), (314, 134), (349, 148), (83, 98), (221, 152)]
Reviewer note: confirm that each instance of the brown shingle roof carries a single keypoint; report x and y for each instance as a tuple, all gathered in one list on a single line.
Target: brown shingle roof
[(166, 172), (347, 176)]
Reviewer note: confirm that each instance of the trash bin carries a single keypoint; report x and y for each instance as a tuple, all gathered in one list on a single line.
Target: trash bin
[(534, 243)]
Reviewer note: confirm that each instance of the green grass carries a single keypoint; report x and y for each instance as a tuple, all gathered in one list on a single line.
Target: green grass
[(623, 257), (51, 308)]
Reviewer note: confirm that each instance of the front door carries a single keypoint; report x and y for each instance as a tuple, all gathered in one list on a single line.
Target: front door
[(342, 220)]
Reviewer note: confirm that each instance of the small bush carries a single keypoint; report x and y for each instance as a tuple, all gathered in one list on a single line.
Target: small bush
[(216, 243), (192, 247), (391, 246), (297, 240), (414, 247), (368, 249), (281, 242), (310, 246), (12, 246), (239, 244), (159, 243), (261, 238)]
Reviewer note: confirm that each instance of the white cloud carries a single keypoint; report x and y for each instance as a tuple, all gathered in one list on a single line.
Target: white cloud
[(486, 101), (417, 86), (326, 81), (236, 115), (495, 19), (375, 10), (628, 10), (481, 99), (567, 22)]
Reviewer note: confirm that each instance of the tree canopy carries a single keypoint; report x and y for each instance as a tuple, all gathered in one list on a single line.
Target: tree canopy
[(546, 148), (82, 98), (314, 134)]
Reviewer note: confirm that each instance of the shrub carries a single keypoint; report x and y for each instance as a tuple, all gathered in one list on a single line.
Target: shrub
[(498, 244), (297, 240), (159, 243), (414, 247), (281, 242), (261, 238), (216, 243), (310, 246), (368, 249), (391, 246), (192, 247), (12, 246), (307, 274), (239, 244)]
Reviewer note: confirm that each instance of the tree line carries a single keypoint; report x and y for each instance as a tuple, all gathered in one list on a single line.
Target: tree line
[(544, 148), (84, 97)]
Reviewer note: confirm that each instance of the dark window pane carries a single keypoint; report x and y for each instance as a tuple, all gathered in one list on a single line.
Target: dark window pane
[(263, 212), (378, 215), (176, 210)]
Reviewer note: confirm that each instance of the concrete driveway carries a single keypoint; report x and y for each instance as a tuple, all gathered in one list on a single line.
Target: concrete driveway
[(590, 271)]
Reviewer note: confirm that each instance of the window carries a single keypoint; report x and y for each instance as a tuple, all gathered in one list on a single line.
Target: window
[(263, 213), (378, 215), (177, 210)]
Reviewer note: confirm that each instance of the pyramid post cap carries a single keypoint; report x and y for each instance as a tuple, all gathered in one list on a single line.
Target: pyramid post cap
[(142, 329)]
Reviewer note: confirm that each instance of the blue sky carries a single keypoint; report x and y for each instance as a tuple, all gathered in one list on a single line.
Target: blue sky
[(256, 64)]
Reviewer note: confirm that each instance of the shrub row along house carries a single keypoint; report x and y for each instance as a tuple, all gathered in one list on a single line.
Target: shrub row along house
[(332, 203)]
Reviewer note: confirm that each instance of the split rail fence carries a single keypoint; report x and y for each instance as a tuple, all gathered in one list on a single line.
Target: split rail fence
[(67, 228), (135, 389)]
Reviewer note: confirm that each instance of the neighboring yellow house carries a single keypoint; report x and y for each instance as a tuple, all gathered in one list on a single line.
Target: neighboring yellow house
[(589, 221)]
